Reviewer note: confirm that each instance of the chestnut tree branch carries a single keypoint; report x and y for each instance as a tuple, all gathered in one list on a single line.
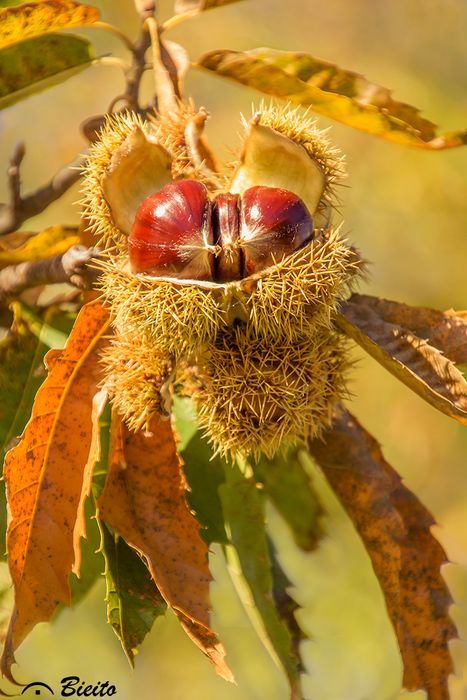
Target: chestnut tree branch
[(20, 208), (73, 267)]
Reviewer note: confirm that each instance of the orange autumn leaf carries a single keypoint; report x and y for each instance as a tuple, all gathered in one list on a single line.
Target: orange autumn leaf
[(395, 528), (144, 501), (44, 475)]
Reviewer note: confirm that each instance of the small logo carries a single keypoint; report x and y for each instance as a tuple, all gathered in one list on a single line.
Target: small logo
[(40, 689), (70, 686)]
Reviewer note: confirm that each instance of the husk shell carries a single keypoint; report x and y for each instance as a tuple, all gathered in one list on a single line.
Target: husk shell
[(285, 302), (136, 380), (253, 397)]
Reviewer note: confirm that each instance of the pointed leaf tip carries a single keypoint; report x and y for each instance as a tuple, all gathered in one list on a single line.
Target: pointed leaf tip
[(412, 360), (396, 531), (43, 475), (144, 501)]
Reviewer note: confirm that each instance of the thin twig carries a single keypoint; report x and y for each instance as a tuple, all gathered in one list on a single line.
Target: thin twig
[(178, 19), (20, 208), (71, 266), (163, 85), (115, 30)]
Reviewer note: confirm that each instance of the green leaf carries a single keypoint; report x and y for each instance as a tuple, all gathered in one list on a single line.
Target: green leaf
[(243, 505), (205, 475), (185, 420), (32, 19), (332, 91), (91, 563), (21, 366), (286, 606), (133, 600), (182, 6), (37, 64), (53, 333), (420, 366), (289, 487), (101, 467)]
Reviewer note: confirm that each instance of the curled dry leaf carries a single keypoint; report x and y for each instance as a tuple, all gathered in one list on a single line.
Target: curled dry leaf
[(444, 330), (423, 368), (33, 19), (44, 476), (123, 191), (144, 502), (177, 63), (395, 528), (332, 91)]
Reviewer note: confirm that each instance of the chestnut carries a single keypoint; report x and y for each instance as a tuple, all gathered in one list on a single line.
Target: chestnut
[(172, 234), (226, 225), (177, 232), (274, 224)]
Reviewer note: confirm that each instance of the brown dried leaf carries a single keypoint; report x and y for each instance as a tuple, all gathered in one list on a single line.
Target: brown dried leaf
[(395, 528), (444, 330), (423, 368), (144, 502), (334, 92), (177, 63), (137, 168), (33, 19), (44, 475)]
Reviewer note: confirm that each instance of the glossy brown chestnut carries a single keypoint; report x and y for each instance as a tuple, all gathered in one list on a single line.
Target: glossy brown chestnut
[(226, 226), (172, 234), (274, 223), (178, 233)]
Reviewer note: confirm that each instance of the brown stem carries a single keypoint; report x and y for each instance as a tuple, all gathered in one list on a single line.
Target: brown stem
[(71, 266), (20, 208)]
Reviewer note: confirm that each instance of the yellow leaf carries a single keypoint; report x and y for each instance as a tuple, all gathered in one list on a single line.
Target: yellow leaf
[(332, 91), (52, 241), (44, 476), (33, 19)]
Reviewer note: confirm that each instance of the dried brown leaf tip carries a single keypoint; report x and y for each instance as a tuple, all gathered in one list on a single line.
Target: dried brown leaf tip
[(422, 362), (226, 282), (396, 530)]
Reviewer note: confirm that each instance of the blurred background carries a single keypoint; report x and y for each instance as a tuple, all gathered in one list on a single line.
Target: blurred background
[(406, 210)]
